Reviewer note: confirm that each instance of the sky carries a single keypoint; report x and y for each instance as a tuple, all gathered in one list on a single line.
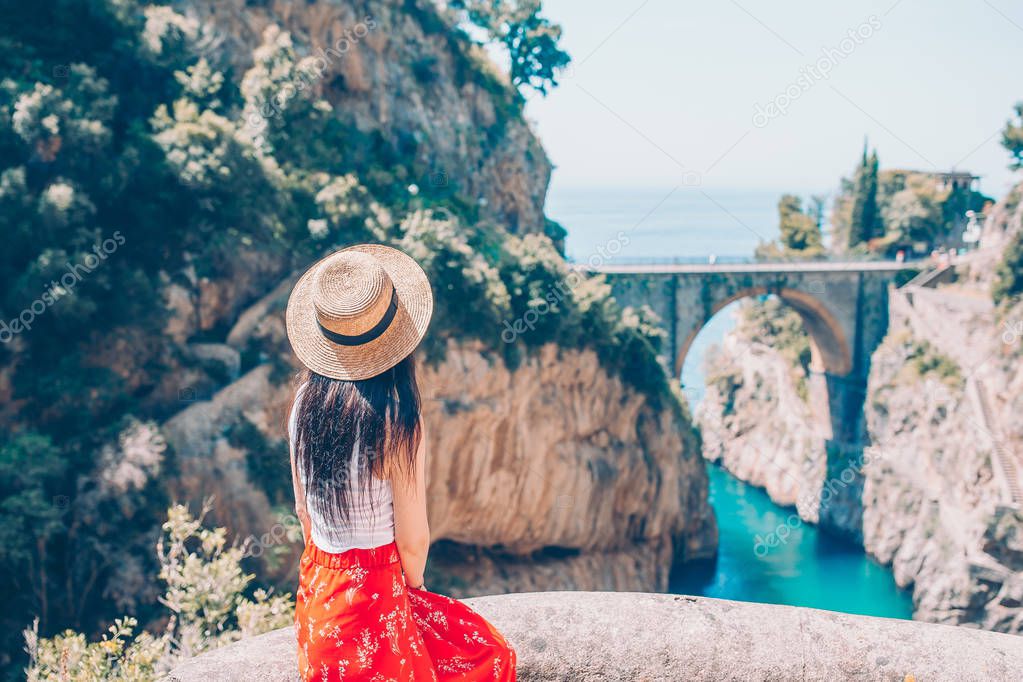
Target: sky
[(778, 95)]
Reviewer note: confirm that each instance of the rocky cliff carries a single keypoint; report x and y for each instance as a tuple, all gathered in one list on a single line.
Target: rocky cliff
[(936, 493), (757, 421), (219, 148), (393, 71), (937, 505)]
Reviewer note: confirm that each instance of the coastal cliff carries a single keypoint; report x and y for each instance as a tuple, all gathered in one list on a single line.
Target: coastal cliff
[(756, 418), (548, 469), (936, 503)]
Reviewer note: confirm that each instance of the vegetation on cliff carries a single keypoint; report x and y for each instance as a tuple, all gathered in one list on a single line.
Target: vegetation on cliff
[(138, 166), (1007, 285), (771, 324), (885, 211)]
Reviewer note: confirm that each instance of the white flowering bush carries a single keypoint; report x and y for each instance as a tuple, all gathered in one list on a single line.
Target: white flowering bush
[(279, 89), (79, 113), (471, 299), (204, 596), (346, 204), (166, 30)]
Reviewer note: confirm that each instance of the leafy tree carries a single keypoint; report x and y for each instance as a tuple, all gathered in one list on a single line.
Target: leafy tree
[(32, 514), (864, 220), (1008, 284), (1012, 137), (800, 231), (531, 40), (913, 214)]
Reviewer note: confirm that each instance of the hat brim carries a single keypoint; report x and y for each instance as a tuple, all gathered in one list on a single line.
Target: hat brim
[(353, 363)]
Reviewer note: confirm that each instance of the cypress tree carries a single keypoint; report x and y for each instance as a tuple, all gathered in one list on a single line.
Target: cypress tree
[(865, 221)]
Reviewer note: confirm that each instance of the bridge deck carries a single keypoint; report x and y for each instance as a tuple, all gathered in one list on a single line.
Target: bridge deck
[(741, 268)]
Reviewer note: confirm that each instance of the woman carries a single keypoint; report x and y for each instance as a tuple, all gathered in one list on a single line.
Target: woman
[(358, 460)]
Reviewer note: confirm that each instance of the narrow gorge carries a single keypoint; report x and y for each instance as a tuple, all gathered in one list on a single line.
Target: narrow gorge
[(934, 493)]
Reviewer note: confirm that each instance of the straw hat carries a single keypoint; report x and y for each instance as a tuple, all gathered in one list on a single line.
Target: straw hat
[(359, 312)]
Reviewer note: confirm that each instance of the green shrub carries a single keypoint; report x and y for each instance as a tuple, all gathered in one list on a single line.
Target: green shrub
[(206, 602), (1008, 284), (925, 360)]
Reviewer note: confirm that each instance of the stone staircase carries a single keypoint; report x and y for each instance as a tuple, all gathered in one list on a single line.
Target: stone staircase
[(1003, 462), (931, 277)]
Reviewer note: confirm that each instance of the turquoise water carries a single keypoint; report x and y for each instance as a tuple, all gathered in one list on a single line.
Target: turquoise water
[(809, 568)]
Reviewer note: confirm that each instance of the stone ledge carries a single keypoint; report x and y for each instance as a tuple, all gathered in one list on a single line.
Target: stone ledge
[(638, 636)]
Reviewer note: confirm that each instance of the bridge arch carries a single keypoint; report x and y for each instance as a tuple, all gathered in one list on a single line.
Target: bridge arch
[(843, 306), (829, 346)]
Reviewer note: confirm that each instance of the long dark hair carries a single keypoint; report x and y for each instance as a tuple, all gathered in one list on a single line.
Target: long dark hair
[(381, 412)]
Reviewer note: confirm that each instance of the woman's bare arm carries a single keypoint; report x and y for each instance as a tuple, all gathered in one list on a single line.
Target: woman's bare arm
[(411, 527), (300, 509)]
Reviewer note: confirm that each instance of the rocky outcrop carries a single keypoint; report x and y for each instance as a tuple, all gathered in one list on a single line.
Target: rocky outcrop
[(937, 504), (551, 475), (932, 494), (396, 72), (600, 482), (755, 424), (602, 636)]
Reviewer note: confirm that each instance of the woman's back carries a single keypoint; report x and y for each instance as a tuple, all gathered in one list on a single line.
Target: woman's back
[(358, 462), (370, 517)]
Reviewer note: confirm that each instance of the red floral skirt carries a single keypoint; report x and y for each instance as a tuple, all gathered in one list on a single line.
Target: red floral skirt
[(357, 620)]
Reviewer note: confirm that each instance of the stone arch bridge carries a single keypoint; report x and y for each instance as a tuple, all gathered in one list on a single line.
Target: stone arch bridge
[(843, 306)]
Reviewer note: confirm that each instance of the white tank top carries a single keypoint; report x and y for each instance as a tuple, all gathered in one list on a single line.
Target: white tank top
[(370, 517)]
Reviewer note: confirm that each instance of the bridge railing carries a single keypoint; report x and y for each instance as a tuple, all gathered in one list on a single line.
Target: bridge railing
[(727, 260)]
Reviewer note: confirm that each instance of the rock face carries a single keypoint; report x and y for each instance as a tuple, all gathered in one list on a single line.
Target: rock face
[(938, 503), (551, 475), (557, 458), (395, 72), (628, 636), (554, 474), (932, 497), (756, 424)]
